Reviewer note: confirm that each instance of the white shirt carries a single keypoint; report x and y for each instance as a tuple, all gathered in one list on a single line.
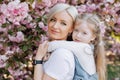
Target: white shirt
[(83, 51), (60, 65)]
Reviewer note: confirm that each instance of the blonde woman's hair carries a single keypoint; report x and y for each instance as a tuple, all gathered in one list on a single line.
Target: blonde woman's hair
[(98, 42), (72, 11)]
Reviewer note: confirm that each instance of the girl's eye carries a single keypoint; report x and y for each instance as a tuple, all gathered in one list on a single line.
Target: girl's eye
[(84, 33), (63, 23), (76, 30)]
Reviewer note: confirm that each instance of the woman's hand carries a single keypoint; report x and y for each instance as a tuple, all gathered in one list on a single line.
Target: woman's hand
[(42, 50)]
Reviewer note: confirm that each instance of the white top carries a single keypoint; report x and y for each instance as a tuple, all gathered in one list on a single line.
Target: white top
[(60, 65), (83, 51)]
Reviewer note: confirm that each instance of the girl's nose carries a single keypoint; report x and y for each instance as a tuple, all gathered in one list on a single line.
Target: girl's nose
[(78, 35)]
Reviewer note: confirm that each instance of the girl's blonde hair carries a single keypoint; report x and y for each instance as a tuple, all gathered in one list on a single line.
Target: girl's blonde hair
[(72, 11), (98, 42)]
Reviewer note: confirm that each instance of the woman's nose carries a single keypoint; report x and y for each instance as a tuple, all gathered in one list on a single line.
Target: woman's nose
[(55, 25)]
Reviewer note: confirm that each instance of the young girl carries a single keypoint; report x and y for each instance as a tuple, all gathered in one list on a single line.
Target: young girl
[(86, 33)]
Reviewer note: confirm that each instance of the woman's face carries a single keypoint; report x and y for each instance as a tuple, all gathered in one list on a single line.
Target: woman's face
[(60, 25)]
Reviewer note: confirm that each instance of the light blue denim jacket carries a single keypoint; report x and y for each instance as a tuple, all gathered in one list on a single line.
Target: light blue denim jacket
[(81, 74)]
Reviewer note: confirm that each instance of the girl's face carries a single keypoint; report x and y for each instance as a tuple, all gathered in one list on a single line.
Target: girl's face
[(83, 32), (60, 25)]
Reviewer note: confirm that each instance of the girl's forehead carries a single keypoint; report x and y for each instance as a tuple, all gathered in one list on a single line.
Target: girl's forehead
[(84, 25)]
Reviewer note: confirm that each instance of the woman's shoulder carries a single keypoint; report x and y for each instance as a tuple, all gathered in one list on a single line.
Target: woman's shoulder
[(62, 52)]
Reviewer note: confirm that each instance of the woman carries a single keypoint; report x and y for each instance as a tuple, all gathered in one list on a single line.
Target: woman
[(59, 66), (87, 33)]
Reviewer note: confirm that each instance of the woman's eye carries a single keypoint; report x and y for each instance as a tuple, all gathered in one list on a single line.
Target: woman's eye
[(63, 23), (53, 20)]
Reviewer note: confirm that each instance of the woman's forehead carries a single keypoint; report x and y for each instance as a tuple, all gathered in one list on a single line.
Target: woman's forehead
[(63, 15)]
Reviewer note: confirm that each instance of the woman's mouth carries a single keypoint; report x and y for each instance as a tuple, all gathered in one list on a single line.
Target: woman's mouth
[(54, 31)]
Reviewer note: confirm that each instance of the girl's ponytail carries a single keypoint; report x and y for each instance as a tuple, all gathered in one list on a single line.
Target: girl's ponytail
[(100, 58)]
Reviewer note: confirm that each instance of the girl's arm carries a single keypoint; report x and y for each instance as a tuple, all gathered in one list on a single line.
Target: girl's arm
[(38, 69), (75, 47)]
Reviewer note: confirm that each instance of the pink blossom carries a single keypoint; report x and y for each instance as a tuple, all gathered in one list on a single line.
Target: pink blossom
[(2, 19), (3, 29), (1, 46), (91, 7), (41, 25), (117, 6), (63, 1), (9, 52), (16, 49), (118, 21), (74, 2), (3, 59), (54, 1), (19, 38), (15, 11), (46, 3), (31, 25), (33, 4), (112, 12), (2, 64), (16, 73), (110, 1), (116, 48), (81, 8)]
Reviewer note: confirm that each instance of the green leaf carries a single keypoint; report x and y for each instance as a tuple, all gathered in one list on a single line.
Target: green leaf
[(25, 48), (22, 28)]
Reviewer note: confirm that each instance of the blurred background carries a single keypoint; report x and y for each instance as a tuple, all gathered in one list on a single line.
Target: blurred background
[(23, 27)]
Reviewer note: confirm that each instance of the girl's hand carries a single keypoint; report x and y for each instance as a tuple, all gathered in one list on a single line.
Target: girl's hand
[(42, 50)]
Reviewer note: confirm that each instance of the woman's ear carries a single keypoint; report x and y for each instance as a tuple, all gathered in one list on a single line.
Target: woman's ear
[(93, 37), (71, 30)]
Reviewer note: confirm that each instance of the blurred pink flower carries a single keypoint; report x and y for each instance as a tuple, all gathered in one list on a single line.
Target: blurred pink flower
[(2, 19), (116, 48), (3, 59), (41, 25), (31, 25), (19, 38), (15, 11), (63, 1), (16, 72), (118, 20), (46, 3), (3, 29), (81, 8), (2, 64), (74, 2), (110, 1), (54, 1), (91, 7), (1, 46)]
